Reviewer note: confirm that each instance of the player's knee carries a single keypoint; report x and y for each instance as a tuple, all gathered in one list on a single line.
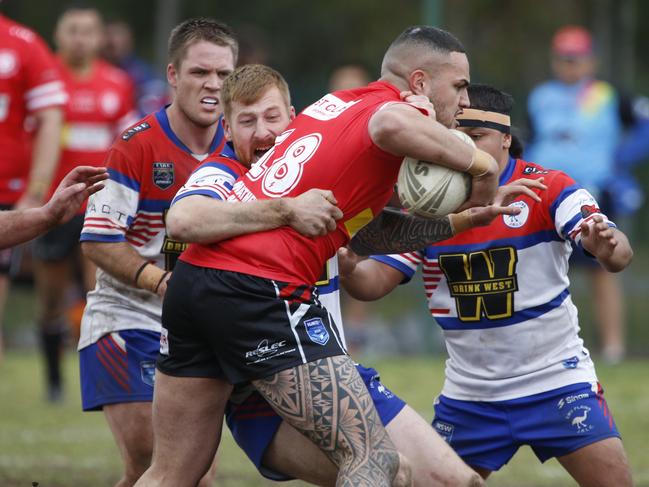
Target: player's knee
[(403, 477), (474, 480)]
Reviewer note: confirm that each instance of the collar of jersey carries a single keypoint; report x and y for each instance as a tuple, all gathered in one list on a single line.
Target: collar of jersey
[(508, 172), (163, 120), (228, 151)]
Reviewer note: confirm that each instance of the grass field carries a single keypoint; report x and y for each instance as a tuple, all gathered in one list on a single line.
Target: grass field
[(59, 446)]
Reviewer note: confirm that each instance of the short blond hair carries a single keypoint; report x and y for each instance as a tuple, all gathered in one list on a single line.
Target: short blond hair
[(191, 31), (248, 83)]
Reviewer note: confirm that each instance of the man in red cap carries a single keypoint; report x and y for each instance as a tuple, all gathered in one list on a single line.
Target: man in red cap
[(576, 126)]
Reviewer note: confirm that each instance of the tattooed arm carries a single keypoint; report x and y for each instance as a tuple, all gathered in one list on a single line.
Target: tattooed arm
[(394, 232)]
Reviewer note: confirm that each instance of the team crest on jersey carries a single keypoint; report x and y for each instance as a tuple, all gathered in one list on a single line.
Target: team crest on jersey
[(147, 372), (135, 130), (163, 174), (316, 330), (517, 221)]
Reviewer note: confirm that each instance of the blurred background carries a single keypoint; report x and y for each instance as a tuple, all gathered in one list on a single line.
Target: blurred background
[(508, 43)]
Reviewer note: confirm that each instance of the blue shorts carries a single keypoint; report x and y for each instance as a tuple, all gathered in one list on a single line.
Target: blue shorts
[(254, 423), (552, 423), (119, 367)]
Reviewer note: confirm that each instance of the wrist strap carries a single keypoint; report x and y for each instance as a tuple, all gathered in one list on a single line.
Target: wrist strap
[(162, 278), (461, 221), (139, 271), (480, 163)]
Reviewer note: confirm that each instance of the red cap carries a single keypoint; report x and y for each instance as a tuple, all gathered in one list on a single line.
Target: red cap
[(572, 41)]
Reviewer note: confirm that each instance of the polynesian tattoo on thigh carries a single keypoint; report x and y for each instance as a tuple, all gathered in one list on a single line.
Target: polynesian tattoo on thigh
[(394, 232), (327, 401)]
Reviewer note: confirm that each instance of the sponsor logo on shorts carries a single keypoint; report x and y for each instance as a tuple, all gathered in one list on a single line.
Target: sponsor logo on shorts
[(163, 174), (266, 350), (375, 384), (147, 372), (570, 399), (445, 430), (578, 417), (316, 330), (164, 341)]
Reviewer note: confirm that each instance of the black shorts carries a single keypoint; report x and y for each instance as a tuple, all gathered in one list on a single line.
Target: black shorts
[(60, 242), (239, 327)]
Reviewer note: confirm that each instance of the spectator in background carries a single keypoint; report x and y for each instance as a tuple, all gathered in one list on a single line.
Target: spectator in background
[(151, 90), (577, 125), (100, 105), (346, 77), (29, 87)]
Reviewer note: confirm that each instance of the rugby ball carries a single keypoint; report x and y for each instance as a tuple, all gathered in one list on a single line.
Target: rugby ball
[(433, 191)]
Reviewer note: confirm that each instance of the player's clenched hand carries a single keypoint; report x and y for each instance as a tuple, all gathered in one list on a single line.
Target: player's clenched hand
[(347, 260), (76, 186), (313, 213), (597, 237), (419, 101)]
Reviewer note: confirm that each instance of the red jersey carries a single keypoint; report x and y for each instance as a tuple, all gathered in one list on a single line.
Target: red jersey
[(29, 82), (327, 146), (99, 107)]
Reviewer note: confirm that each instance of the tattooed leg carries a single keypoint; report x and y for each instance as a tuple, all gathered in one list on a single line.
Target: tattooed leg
[(327, 401)]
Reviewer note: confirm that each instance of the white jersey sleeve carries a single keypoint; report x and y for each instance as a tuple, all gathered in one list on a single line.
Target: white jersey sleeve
[(212, 179), (574, 206), (407, 263)]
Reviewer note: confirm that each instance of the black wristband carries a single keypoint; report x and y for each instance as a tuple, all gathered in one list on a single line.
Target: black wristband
[(139, 271), (160, 281)]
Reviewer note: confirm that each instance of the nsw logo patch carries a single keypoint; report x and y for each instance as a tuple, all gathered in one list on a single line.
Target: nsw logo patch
[(163, 174), (147, 372), (316, 330)]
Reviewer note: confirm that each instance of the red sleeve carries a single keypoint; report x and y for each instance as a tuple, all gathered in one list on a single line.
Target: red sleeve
[(44, 87)]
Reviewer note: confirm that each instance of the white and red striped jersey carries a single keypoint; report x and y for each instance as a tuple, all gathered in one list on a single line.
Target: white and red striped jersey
[(500, 294), (29, 82), (215, 179), (147, 165)]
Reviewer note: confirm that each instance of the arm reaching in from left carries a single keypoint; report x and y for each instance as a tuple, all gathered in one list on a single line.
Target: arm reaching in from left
[(22, 225), (609, 245), (394, 232)]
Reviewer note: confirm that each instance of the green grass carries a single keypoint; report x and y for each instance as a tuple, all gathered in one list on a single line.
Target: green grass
[(59, 446)]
